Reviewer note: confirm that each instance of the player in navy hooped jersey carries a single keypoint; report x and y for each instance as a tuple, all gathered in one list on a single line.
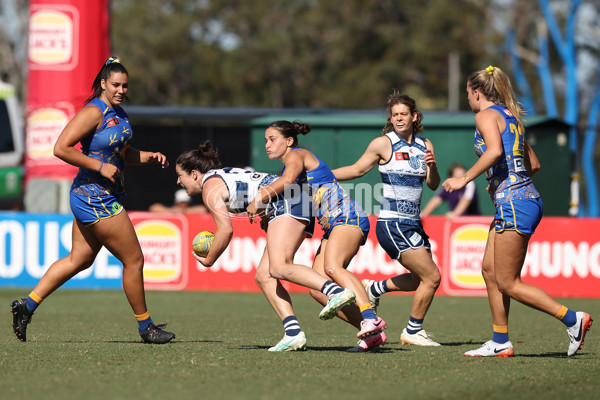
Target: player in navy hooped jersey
[(102, 127), (509, 163), (228, 191), (405, 161)]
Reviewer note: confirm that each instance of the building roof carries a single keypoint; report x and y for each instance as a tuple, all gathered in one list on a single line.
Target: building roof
[(256, 116)]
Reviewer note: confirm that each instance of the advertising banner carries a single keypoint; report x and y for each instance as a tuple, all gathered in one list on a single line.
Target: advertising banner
[(67, 42), (563, 256)]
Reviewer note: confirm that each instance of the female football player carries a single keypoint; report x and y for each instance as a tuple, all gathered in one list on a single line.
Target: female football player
[(405, 160), (509, 163), (229, 190), (345, 225), (102, 127)]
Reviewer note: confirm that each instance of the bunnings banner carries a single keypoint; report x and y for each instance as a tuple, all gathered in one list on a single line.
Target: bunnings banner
[(563, 257), (67, 42)]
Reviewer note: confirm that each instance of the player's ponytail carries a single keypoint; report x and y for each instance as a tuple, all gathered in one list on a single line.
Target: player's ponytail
[(202, 159), (496, 87), (291, 129), (111, 65)]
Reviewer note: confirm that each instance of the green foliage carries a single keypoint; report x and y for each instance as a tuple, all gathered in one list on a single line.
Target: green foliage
[(84, 345), (306, 53)]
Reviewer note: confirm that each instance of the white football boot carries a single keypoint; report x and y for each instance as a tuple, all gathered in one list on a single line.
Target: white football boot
[(492, 349), (291, 343), (577, 332), (336, 302), (420, 338)]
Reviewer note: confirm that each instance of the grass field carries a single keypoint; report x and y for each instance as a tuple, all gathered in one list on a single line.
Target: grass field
[(84, 345)]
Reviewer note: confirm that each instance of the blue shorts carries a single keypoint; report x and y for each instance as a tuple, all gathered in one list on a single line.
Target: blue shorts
[(89, 210), (522, 216), (300, 210), (396, 236), (356, 217)]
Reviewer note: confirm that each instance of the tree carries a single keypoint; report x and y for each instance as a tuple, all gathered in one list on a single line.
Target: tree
[(308, 53), (571, 50)]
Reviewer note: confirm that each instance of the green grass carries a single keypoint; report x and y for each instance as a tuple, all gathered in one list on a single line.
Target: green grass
[(84, 345)]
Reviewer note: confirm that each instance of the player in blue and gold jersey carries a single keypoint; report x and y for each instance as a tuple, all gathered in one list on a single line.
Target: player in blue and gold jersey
[(509, 163), (102, 127), (345, 227)]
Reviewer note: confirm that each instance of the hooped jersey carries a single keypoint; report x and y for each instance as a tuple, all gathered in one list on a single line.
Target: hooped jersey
[(508, 178), (402, 178), (107, 144), (242, 185)]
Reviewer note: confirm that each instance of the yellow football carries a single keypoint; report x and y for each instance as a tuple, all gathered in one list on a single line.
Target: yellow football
[(202, 243)]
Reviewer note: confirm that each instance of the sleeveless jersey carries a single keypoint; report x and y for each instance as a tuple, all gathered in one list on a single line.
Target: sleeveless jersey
[(108, 144), (242, 186), (330, 200), (402, 178), (508, 178)]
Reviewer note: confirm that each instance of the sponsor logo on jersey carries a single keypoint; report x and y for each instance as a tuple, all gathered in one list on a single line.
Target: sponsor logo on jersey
[(399, 156), (112, 122)]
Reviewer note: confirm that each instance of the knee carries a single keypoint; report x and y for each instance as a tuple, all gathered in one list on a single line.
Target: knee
[(134, 263), (487, 276), (438, 279), (435, 279), (332, 272), (506, 287), (79, 265), (262, 278), (432, 279), (259, 279), (487, 272), (276, 271)]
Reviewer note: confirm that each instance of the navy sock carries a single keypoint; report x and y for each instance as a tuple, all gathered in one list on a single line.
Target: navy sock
[(143, 324), (330, 288), (414, 325), (499, 337), (570, 318), (379, 288), (368, 314), (31, 304), (500, 333), (291, 325)]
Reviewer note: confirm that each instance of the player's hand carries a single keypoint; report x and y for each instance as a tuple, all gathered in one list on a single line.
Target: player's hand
[(110, 172), (255, 211), (453, 184), (429, 158), (201, 260), (450, 215), (252, 210), (158, 158)]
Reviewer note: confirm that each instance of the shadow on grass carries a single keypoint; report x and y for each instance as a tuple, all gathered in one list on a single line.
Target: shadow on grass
[(456, 344), (176, 341), (579, 355), (330, 348)]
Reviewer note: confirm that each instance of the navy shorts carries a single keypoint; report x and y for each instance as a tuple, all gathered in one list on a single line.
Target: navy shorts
[(297, 208), (522, 216), (89, 210), (396, 236)]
